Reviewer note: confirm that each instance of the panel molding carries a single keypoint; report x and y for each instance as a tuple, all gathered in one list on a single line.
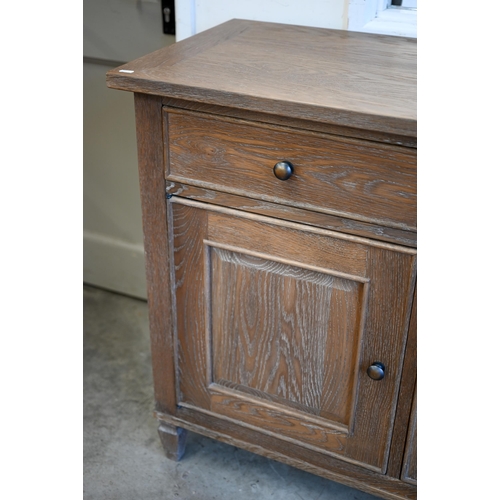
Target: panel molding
[(218, 389), (269, 400), (273, 258), (409, 471)]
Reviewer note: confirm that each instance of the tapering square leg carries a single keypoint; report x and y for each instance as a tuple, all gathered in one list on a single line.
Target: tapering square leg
[(173, 440)]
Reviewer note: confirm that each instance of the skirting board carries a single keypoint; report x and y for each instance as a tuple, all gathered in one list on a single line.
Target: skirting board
[(114, 264)]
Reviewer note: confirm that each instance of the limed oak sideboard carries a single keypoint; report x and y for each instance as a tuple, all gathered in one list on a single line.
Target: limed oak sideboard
[(278, 185)]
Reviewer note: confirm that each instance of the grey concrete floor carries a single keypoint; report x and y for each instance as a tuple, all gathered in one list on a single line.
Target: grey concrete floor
[(123, 457)]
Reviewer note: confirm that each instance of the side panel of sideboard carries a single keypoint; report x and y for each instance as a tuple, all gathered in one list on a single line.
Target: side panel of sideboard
[(156, 247)]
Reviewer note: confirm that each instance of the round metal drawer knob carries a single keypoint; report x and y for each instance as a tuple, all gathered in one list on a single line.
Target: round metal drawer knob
[(376, 371), (283, 170)]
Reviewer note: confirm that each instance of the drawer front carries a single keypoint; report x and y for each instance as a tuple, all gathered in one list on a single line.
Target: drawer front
[(354, 179)]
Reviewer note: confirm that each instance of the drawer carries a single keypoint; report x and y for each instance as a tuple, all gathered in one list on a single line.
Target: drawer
[(356, 179)]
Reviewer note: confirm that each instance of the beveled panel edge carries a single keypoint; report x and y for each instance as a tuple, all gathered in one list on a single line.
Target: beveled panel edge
[(280, 401), (173, 303), (275, 422), (207, 276), (361, 331), (166, 149), (287, 262), (311, 419), (365, 282)]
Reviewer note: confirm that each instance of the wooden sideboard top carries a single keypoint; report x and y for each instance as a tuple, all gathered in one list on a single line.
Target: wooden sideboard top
[(357, 80)]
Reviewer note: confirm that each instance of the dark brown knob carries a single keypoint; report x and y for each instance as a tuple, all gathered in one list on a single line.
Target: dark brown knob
[(376, 370), (283, 170)]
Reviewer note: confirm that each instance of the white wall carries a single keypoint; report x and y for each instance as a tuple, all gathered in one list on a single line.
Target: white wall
[(193, 16), (122, 30), (113, 251)]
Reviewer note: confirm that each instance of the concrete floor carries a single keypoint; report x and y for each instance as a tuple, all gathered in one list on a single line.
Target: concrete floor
[(123, 457)]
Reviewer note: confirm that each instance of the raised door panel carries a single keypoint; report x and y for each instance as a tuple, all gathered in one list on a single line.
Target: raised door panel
[(274, 327), (278, 322)]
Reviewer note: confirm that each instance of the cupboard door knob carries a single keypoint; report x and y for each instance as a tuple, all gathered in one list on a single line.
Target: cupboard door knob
[(283, 170), (376, 370)]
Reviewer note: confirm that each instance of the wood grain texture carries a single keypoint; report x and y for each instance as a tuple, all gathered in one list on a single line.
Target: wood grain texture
[(409, 471), (188, 230), (275, 403), (326, 221), (173, 440), (347, 178), (156, 247), (292, 225), (391, 292), (267, 337), (315, 320), (350, 79), (407, 390), (278, 423), (269, 237), (292, 454), (298, 124)]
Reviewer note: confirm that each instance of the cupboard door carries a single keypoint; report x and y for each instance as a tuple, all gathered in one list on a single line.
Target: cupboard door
[(409, 473), (277, 324)]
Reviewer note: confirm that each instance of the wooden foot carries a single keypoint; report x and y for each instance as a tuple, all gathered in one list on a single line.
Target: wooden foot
[(173, 440)]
